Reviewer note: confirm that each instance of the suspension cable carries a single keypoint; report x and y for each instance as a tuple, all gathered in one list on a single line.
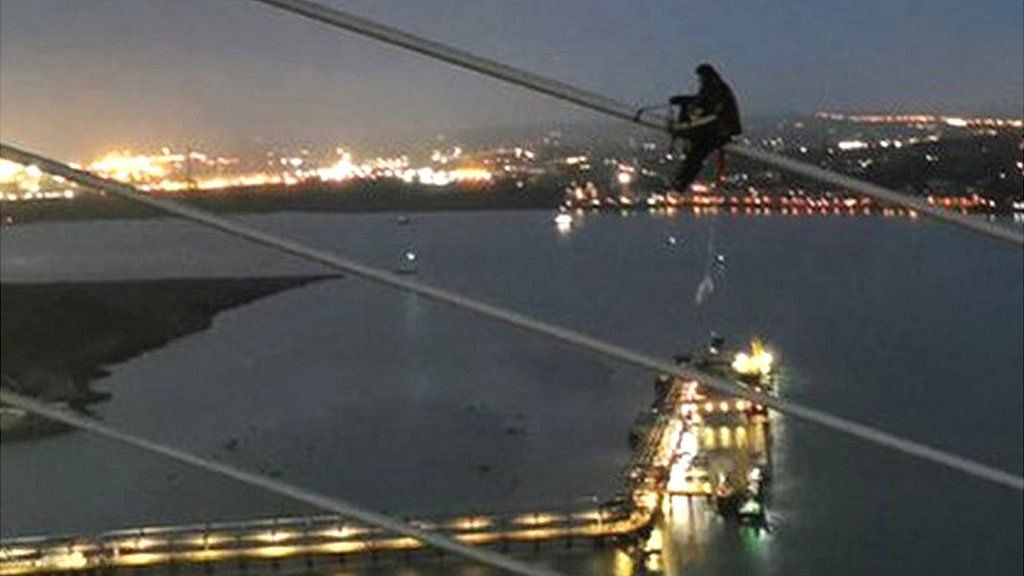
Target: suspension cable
[(278, 487), (527, 323), (598, 103)]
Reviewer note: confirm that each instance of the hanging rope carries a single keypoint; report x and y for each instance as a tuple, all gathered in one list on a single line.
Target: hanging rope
[(562, 91), (576, 339), (713, 260)]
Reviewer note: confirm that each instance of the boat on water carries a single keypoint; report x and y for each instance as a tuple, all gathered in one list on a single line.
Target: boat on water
[(407, 262)]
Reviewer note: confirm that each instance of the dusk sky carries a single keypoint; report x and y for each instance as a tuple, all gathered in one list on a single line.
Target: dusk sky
[(81, 76)]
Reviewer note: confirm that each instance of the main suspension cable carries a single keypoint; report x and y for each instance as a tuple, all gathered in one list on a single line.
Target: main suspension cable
[(598, 103), (529, 324)]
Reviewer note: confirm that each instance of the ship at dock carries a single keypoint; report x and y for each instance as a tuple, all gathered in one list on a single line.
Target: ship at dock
[(723, 450)]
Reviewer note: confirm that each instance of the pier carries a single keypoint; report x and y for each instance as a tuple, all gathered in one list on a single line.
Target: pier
[(691, 443)]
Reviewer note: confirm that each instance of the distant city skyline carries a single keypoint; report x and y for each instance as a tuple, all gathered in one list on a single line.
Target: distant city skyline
[(74, 81)]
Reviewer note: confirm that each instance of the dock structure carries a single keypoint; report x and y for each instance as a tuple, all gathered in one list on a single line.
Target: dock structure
[(691, 442)]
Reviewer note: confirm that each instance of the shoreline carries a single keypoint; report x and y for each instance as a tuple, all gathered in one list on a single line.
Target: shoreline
[(313, 198), (101, 208), (61, 337)]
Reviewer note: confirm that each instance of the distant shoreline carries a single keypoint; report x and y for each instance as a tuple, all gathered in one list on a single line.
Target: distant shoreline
[(374, 197), (368, 197)]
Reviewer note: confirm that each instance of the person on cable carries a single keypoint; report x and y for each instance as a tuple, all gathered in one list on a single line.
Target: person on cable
[(707, 120)]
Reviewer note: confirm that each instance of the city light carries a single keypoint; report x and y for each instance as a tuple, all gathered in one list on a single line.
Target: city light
[(847, 145), (169, 171), (618, 183), (924, 119)]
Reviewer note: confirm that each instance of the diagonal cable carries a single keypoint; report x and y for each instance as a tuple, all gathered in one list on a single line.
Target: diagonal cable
[(526, 323), (278, 487)]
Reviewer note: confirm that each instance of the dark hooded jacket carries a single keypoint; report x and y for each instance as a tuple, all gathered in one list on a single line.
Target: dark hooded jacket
[(715, 97)]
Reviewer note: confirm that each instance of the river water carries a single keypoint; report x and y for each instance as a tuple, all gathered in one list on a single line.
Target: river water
[(405, 405)]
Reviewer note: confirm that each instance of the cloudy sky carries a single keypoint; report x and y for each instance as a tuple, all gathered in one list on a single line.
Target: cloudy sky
[(81, 76)]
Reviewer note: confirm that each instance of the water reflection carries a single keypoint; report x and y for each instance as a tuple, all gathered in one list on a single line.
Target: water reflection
[(563, 223), (688, 528)]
